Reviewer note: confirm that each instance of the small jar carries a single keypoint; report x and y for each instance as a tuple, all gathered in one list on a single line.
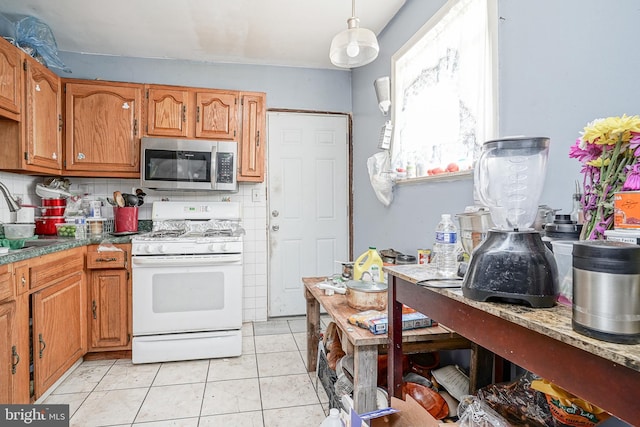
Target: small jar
[(95, 226)]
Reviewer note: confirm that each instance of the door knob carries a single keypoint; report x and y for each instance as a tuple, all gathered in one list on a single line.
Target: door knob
[(275, 213), (275, 227)]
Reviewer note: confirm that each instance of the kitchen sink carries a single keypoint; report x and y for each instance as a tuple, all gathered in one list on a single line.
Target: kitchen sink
[(38, 243)]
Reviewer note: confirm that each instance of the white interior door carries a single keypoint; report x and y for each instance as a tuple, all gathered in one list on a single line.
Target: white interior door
[(308, 203)]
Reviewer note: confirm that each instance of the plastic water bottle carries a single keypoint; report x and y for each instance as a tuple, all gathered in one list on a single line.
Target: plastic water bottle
[(446, 247), (333, 420)]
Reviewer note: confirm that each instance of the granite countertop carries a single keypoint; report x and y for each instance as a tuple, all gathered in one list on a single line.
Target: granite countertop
[(554, 322), (62, 243), (57, 245)]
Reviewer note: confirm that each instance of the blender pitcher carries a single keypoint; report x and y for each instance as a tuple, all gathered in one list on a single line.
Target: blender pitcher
[(509, 176), (512, 264)]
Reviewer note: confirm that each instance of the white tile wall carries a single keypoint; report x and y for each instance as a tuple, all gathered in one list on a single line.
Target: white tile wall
[(254, 222)]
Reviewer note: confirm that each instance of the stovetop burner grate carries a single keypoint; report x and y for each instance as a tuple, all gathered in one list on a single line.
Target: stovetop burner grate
[(217, 233), (165, 233)]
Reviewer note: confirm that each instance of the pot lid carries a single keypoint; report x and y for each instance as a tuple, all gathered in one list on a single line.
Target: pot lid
[(366, 286)]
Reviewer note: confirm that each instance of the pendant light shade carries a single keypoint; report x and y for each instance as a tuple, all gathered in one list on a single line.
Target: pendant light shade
[(355, 46)]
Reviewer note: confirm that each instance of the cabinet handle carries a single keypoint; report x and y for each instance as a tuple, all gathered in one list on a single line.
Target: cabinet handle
[(184, 113), (135, 127), (23, 280), (43, 345), (60, 122), (16, 357), (198, 114), (94, 309), (106, 259), (257, 138)]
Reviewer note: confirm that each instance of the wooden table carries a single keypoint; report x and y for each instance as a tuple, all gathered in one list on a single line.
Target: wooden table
[(365, 345), (540, 340)]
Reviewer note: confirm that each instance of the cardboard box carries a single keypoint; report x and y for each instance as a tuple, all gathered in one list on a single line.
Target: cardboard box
[(626, 210), (402, 413), (627, 236), (409, 321)]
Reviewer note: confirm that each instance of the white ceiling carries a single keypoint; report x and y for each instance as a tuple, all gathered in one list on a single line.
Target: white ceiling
[(271, 32)]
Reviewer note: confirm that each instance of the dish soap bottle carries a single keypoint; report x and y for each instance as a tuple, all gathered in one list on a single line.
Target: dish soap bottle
[(368, 266)]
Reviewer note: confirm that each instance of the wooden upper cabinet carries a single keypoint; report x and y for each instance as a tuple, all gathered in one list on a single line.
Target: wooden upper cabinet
[(253, 139), (183, 112), (216, 114), (43, 116), (167, 112), (102, 128), (10, 80)]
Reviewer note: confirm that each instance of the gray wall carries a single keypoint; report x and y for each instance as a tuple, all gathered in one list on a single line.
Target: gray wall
[(286, 87), (561, 65)]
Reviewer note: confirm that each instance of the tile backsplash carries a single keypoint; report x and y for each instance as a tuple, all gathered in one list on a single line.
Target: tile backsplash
[(254, 221)]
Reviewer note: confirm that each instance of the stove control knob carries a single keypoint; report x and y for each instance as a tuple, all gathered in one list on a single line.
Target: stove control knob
[(162, 249), (148, 248)]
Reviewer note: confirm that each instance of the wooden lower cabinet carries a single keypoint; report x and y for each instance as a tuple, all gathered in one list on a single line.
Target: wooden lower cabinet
[(7, 359), (58, 330), (109, 299)]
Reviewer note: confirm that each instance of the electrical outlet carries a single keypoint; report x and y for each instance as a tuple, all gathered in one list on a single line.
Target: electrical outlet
[(255, 195)]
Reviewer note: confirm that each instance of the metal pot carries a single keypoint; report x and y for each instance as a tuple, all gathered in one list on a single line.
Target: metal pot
[(473, 228), (363, 295)]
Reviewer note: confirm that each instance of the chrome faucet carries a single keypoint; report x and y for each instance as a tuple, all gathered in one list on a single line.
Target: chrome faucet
[(11, 202)]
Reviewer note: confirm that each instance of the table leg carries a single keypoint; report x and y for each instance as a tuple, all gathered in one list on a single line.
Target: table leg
[(313, 330), (481, 368), (365, 378), (394, 370)]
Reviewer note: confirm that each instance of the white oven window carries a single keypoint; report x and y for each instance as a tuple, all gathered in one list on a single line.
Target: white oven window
[(188, 291)]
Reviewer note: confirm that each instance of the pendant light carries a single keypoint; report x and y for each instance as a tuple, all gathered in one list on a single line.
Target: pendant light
[(355, 46)]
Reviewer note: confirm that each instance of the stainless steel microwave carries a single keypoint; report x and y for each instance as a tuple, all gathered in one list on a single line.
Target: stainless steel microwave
[(188, 164)]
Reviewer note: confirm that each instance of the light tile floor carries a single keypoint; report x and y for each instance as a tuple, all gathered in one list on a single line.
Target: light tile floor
[(268, 386)]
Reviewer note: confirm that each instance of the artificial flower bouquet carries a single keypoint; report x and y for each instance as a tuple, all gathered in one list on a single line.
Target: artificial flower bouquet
[(609, 150)]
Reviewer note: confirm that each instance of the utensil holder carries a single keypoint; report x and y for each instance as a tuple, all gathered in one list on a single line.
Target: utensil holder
[(126, 219)]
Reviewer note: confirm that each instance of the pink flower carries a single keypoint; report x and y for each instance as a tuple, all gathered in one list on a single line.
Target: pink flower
[(591, 152), (634, 143), (633, 179)]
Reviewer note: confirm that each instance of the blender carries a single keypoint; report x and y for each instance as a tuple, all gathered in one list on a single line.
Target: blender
[(512, 264)]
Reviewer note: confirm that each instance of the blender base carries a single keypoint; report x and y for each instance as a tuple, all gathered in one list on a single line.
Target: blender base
[(513, 267)]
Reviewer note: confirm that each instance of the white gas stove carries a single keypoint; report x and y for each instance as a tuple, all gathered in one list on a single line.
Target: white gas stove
[(187, 283)]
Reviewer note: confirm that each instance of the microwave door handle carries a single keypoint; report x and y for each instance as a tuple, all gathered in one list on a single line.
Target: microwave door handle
[(214, 166)]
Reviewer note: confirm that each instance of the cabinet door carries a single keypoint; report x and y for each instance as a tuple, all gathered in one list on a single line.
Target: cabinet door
[(109, 322), (7, 352), (252, 144), (10, 80), (101, 135), (43, 117), (58, 330), (167, 112), (216, 114)]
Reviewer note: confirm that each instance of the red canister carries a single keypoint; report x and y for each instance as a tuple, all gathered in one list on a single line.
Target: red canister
[(52, 210), (46, 225), (54, 202)]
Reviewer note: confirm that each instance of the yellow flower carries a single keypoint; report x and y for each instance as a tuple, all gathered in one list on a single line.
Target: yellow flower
[(598, 163), (608, 131)]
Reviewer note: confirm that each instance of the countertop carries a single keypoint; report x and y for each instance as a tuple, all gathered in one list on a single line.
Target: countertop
[(554, 322), (57, 245), (61, 243)]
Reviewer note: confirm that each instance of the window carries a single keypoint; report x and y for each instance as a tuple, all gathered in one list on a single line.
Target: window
[(445, 90)]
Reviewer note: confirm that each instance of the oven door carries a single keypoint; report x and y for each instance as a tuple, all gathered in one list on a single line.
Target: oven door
[(174, 294)]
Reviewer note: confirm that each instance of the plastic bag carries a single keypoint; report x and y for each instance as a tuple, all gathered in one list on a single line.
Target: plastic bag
[(36, 38), (517, 402), (381, 177), (473, 412), (568, 409)]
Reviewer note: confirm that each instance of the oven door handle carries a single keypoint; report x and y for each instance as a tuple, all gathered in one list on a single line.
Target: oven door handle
[(184, 261)]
